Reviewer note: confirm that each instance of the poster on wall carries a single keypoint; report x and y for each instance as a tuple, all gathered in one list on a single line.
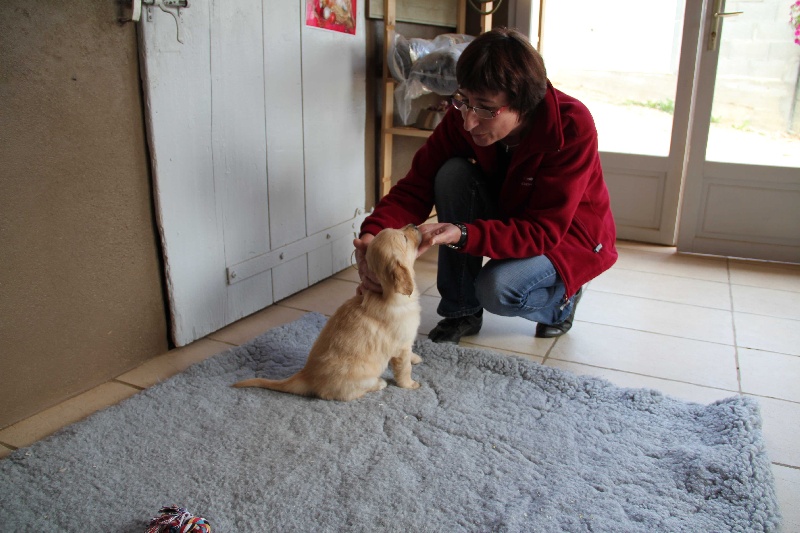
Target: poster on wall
[(334, 15)]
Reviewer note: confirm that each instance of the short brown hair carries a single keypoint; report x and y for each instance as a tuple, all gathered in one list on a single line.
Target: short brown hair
[(503, 60)]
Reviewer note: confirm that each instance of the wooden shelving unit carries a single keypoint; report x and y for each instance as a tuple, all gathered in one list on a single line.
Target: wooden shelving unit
[(388, 129)]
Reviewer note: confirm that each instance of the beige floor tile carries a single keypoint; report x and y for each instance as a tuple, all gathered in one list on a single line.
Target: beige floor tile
[(165, 366), (513, 334), (432, 291), (668, 318), (767, 333), (426, 270), (767, 275), (500, 333), (254, 325), (675, 389), (650, 354), (787, 488), (770, 374), (664, 287), (425, 275), (429, 315), (673, 264), (430, 256), (348, 274), (325, 297), (781, 430), (28, 431), (769, 302)]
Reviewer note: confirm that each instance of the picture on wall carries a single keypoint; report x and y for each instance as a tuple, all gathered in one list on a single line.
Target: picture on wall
[(334, 15)]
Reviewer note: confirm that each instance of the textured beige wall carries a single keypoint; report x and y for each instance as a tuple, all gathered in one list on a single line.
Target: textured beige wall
[(80, 285)]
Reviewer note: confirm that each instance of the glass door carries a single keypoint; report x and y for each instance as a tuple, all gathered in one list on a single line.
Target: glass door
[(742, 184), (628, 60), (699, 139), (624, 71), (755, 119)]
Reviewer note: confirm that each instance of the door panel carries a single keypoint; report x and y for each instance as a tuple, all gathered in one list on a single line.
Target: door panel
[(256, 127), (735, 208), (239, 146), (334, 110), (178, 118), (638, 184), (283, 94)]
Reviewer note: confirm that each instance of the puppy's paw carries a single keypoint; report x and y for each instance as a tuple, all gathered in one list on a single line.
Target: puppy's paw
[(415, 359), (410, 384), (381, 384)]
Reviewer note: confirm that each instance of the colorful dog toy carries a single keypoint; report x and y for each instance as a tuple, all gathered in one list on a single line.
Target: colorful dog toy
[(178, 520)]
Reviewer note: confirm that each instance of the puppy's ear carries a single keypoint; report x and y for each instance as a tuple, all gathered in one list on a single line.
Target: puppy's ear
[(403, 280)]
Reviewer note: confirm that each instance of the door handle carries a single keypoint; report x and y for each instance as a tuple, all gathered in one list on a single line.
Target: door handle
[(716, 23)]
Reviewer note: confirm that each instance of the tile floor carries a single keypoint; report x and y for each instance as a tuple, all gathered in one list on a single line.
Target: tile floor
[(697, 328)]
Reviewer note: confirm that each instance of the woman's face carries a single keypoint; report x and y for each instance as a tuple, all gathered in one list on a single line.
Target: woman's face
[(507, 124)]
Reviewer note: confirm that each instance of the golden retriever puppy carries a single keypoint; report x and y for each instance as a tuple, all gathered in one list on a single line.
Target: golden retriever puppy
[(368, 332)]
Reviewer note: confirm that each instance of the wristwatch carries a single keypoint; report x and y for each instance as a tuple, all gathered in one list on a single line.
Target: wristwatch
[(463, 240)]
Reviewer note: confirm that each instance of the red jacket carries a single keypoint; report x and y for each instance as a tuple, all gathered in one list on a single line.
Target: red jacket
[(553, 202)]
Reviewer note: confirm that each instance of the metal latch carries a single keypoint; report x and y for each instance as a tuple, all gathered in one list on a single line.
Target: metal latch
[(170, 7)]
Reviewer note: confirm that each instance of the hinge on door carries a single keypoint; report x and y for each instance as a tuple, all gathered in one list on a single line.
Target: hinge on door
[(170, 7), (284, 254)]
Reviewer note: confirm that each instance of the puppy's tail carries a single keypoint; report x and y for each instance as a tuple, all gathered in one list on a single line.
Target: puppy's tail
[(294, 385)]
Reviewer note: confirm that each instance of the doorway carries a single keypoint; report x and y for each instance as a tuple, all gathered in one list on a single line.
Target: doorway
[(700, 140)]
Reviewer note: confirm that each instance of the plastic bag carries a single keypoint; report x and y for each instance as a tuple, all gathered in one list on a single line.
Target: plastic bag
[(422, 66)]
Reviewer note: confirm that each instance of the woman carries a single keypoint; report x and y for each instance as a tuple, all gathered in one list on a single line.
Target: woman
[(514, 173)]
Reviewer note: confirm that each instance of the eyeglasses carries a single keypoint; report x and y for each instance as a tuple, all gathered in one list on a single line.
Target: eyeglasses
[(480, 112)]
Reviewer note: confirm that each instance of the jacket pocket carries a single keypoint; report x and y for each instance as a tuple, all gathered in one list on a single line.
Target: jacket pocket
[(585, 236)]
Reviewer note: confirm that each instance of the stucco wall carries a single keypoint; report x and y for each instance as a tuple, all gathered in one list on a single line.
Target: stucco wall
[(80, 284)]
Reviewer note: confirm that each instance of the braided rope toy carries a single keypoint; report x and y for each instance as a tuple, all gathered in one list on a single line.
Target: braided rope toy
[(176, 519)]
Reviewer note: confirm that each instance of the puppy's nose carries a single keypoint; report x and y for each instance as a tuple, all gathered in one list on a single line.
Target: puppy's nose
[(412, 227), (416, 230)]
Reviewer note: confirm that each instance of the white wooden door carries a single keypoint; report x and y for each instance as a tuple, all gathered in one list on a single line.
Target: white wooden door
[(256, 127)]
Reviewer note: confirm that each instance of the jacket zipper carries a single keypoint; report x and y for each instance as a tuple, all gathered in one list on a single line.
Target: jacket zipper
[(566, 302)]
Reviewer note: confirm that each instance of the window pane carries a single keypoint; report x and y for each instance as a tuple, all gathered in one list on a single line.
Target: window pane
[(755, 118), (623, 70)]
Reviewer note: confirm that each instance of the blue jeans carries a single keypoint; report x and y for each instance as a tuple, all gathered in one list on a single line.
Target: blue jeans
[(530, 288)]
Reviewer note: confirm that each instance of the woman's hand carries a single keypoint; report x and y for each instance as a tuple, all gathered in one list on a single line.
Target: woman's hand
[(368, 280), (438, 233)]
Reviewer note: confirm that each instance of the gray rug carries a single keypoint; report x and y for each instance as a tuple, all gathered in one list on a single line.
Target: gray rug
[(488, 443)]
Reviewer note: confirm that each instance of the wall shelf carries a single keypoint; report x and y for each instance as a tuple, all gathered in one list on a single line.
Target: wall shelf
[(388, 129)]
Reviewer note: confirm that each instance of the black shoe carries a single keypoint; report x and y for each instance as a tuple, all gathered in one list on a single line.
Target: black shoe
[(450, 330), (547, 331)]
